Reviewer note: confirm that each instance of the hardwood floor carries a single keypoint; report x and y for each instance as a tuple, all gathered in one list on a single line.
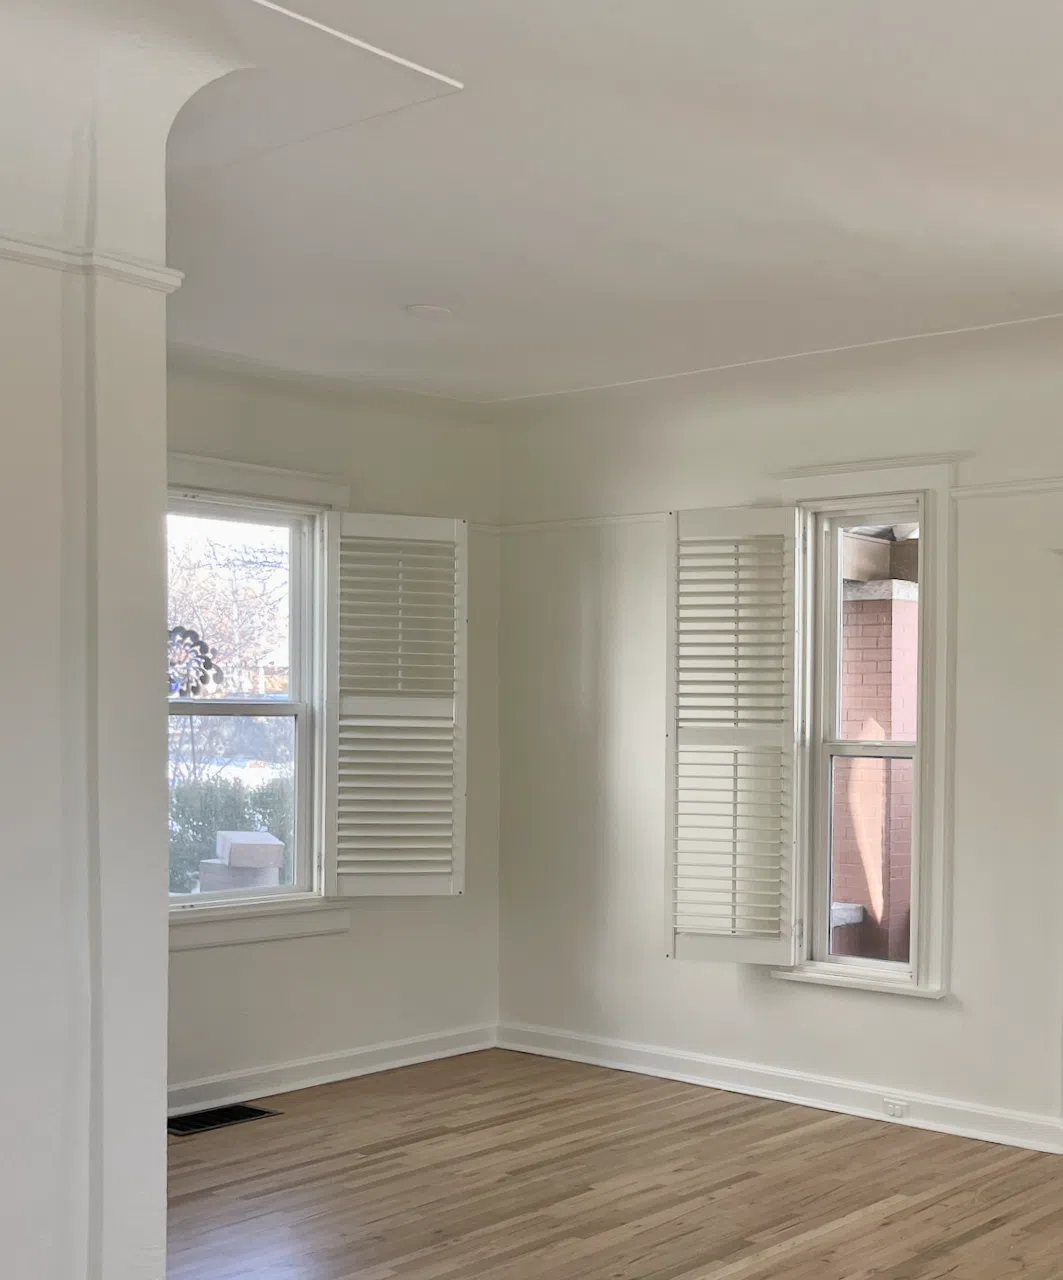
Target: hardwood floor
[(502, 1166)]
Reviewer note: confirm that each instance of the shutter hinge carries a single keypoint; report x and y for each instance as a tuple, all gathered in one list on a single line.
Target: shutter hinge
[(799, 932)]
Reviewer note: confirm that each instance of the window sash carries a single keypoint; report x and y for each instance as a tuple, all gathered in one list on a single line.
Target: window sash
[(306, 638), (872, 749), (825, 523), (235, 707), (304, 626), (305, 866), (827, 580), (822, 776)]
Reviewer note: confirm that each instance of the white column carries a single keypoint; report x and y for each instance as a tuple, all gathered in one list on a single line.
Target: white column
[(44, 1066), (86, 101)]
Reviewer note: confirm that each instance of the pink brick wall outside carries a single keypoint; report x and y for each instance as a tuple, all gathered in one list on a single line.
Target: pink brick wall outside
[(867, 668), (873, 798), (905, 657)]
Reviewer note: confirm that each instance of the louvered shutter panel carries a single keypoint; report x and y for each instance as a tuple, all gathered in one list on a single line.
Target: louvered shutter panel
[(731, 892), (396, 803)]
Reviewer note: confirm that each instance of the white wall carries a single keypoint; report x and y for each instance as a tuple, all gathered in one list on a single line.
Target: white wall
[(401, 454), (407, 968), (583, 673), (581, 720)]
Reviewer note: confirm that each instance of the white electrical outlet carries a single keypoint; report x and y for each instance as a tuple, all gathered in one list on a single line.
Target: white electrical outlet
[(895, 1109)]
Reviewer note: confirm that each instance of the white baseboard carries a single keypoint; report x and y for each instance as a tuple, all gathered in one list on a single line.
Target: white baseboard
[(263, 1082), (945, 1115), (968, 1120)]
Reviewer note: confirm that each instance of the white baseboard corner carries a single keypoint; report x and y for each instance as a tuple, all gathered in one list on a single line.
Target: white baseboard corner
[(264, 1082), (944, 1115)]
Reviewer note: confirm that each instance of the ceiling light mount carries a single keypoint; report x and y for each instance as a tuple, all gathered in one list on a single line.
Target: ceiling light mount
[(429, 311)]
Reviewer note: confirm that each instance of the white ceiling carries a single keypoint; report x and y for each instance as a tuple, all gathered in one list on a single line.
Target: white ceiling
[(624, 190)]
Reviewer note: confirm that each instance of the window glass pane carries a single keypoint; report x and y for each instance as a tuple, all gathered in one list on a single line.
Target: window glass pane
[(228, 607), (871, 858), (879, 656), (232, 802)]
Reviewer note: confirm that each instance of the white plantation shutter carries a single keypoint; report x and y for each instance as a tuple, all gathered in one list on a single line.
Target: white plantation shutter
[(731, 735), (396, 804)]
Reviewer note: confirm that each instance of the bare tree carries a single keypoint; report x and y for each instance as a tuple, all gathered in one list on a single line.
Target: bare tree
[(235, 595)]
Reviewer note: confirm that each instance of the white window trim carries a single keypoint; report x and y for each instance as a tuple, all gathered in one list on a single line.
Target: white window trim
[(827, 744), (928, 977), (303, 912), (822, 974), (226, 924), (301, 706), (200, 475)]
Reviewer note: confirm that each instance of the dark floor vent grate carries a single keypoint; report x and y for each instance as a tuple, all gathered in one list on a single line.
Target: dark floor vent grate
[(215, 1118)]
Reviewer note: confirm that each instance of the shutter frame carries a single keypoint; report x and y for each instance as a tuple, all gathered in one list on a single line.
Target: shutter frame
[(732, 736), (396, 706)]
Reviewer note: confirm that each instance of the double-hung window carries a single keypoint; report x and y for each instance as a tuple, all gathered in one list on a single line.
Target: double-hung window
[(864, 765), (243, 635), (807, 731), (316, 672)]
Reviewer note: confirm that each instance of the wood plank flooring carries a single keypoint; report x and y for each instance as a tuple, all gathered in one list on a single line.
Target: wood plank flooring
[(501, 1166)]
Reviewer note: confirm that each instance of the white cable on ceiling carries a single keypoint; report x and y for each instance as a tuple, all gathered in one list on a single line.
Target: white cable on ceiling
[(359, 44)]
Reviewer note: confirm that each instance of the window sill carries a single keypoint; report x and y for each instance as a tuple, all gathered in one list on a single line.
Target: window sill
[(230, 924), (833, 976)]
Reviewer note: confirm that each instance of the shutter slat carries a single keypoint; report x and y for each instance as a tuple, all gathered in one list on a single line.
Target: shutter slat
[(389, 810), (693, 878), (364, 628), (733, 672), (397, 616)]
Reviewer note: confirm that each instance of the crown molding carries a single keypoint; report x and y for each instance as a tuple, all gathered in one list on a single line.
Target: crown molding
[(187, 357), (787, 357), (90, 262)]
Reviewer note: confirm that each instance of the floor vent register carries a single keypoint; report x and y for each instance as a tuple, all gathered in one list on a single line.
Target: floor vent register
[(215, 1118)]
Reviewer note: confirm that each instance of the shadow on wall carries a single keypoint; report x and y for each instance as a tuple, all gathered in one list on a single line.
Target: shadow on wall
[(585, 614)]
